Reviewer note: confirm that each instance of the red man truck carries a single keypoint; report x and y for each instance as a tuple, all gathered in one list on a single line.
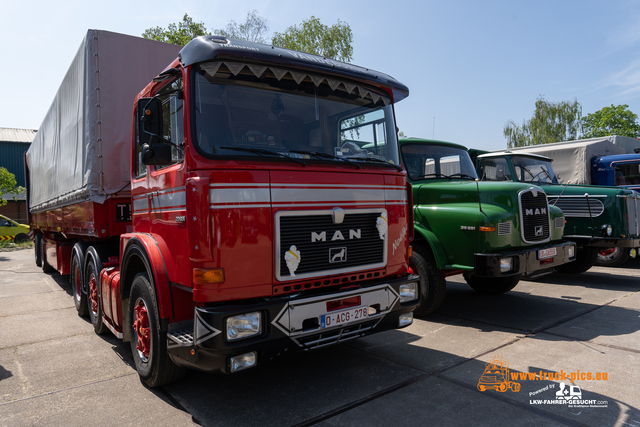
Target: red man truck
[(225, 203)]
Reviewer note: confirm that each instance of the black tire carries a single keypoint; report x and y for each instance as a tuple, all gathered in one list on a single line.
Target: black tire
[(152, 361), (37, 250), (612, 257), (20, 238), (585, 259), (491, 285), (76, 280), (94, 297), (46, 267), (432, 281)]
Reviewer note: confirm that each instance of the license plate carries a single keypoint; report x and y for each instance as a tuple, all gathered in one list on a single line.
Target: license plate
[(547, 253), (344, 317)]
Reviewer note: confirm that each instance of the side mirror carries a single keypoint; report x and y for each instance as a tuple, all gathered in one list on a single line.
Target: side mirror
[(157, 154), (150, 124)]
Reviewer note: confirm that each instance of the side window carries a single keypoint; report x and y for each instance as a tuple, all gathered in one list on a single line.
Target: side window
[(172, 116), (364, 135), (141, 169)]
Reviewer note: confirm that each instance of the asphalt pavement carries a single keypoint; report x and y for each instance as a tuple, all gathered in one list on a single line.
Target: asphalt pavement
[(55, 371)]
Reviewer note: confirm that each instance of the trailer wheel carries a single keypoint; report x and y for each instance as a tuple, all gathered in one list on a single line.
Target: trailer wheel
[(491, 285), (46, 267), (148, 342), (79, 297), (432, 282), (37, 249), (612, 257), (94, 301), (585, 259)]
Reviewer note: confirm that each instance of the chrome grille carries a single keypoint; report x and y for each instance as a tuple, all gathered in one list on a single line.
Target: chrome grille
[(632, 212), (534, 213), (574, 207), (325, 256), (504, 228)]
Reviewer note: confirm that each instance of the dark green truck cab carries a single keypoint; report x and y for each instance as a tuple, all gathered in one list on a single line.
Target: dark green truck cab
[(603, 221), (492, 232)]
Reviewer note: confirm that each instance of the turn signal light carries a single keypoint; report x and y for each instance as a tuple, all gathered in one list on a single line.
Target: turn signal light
[(409, 252), (204, 276), (487, 229)]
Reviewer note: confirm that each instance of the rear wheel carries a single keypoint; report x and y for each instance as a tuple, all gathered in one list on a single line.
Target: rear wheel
[(94, 300), (612, 257), (46, 267), (20, 238), (585, 259), (79, 297), (148, 342), (37, 250), (432, 281), (491, 285)]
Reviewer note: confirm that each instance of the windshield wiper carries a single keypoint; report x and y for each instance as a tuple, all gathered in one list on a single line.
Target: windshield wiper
[(547, 173), (461, 175), (374, 160), (262, 152), (437, 175), (326, 156)]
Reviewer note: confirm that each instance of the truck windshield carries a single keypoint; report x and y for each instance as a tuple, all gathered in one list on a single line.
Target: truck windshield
[(627, 174), (431, 161), (245, 110), (530, 169)]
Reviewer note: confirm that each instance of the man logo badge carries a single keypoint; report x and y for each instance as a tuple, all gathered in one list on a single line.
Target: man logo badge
[(337, 254), (539, 230)]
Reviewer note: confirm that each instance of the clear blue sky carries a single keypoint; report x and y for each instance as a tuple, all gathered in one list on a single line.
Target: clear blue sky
[(472, 65)]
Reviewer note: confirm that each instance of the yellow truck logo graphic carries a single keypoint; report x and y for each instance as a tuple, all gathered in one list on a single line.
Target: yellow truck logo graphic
[(496, 376)]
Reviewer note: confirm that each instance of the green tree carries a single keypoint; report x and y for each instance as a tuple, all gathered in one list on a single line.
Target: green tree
[(180, 33), (314, 37), (551, 122), (614, 120), (252, 30), (8, 185)]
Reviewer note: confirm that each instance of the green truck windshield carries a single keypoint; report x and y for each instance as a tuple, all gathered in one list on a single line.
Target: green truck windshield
[(242, 110), (430, 161)]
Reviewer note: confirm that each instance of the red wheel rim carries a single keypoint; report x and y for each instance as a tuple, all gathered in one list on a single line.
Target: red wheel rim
[(142, 330), (77, 282), (93, 295)]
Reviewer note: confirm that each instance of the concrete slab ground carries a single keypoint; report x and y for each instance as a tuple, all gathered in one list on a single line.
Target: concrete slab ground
[(54, 370)]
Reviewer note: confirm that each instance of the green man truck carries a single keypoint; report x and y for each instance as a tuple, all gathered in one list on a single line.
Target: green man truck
[(491, 232), (599, 218)]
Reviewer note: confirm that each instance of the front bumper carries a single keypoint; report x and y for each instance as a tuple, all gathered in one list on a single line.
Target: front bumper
[(605, 242), (289, 325), (524, 262)]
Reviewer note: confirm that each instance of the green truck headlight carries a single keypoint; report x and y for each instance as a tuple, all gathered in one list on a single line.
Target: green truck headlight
[(244, 326), (408, 292), (244, 361), (571, 251), (606, 230), (506, 264)]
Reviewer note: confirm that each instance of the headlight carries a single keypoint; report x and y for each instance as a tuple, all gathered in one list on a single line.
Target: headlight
[(405, 320), (244, 326), (506, 264), (408, 292), (606, 230), (571, 251)]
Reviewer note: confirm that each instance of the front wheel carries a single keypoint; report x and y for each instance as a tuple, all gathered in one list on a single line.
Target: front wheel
[(148, 342), (21, 238), (491, 285), (585, 259), (432, 281), (612, 257)]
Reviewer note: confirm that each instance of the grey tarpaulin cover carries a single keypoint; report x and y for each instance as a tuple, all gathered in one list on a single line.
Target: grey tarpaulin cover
[(572, 159), (82, 150)]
